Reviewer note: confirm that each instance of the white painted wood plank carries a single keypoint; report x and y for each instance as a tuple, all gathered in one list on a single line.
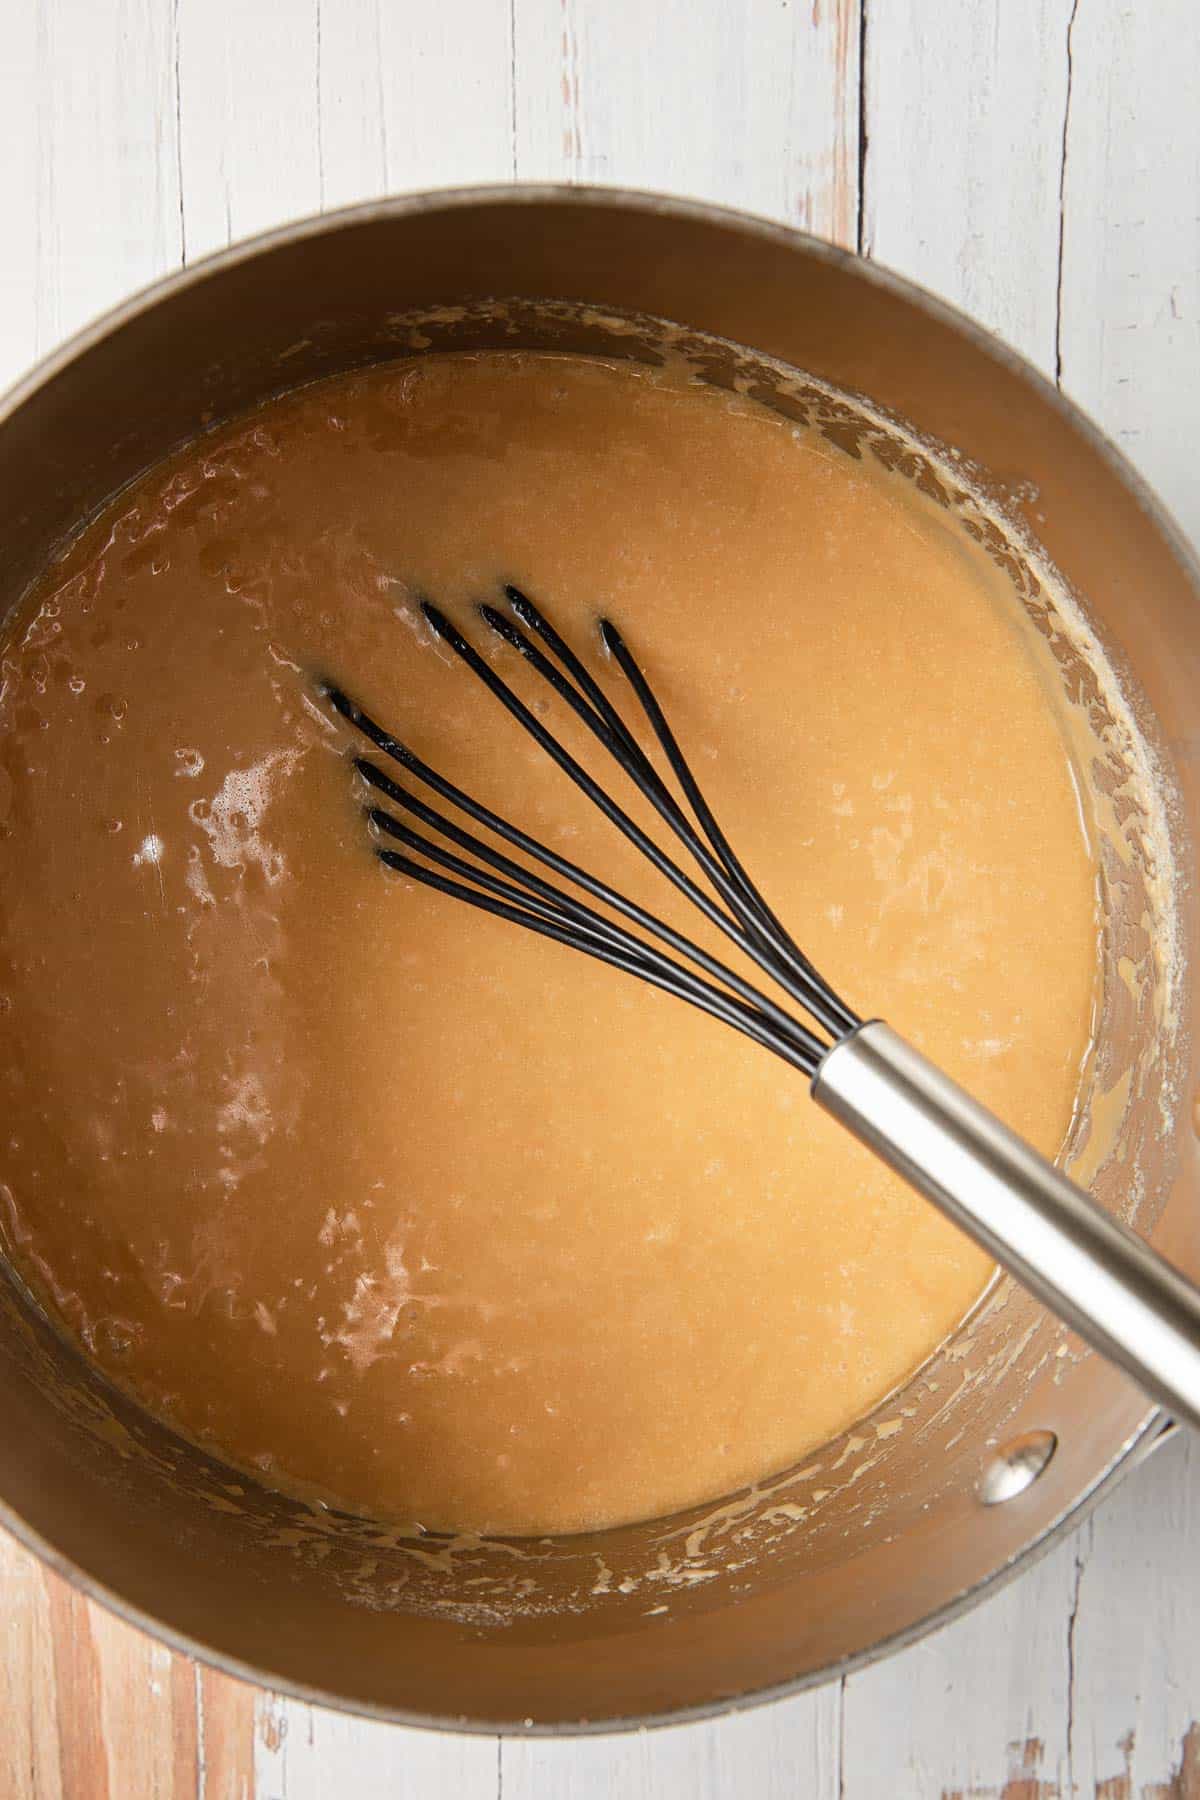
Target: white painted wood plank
[(19, 158), (292, 106), (351, 110), (249, 116), (1136, 1640), (779, 1752), (750, 104), (414, 97), (304, 1753), (964, 113), (981, 1703), (87, 149), (1131, 247)]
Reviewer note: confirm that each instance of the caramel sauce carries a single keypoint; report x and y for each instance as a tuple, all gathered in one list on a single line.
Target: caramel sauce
[(391, 1202)]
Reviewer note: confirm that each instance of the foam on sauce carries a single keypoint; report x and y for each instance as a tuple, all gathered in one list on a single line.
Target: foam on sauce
[(390, 1202)]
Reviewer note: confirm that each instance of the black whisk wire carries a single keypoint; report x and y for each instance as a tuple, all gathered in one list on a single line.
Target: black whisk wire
[(598, 938), (742, 930), (484, 816), (676, 981), (803, 985), (553, 901), (516, 893), (615, 644), (772, 1016), (792, 952), (536, 621)]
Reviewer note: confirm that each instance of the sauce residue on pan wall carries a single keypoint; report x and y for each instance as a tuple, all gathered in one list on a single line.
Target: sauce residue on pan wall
[(389, 1202)]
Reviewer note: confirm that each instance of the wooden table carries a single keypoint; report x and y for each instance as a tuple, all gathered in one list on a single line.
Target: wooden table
[(1035, 161)]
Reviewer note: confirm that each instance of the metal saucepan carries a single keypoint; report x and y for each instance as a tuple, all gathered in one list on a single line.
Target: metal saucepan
[(993, 1447)]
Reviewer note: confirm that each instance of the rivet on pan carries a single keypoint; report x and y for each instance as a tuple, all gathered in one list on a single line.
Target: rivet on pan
[(1016, 1466)]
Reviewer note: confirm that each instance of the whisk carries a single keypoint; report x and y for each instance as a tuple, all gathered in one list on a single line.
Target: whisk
[(1100, 1277)]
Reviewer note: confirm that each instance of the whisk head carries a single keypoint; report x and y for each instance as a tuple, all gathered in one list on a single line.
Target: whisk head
[(467, 867)]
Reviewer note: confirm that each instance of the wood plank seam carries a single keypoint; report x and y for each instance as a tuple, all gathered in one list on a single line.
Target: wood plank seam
[(1062, 197)]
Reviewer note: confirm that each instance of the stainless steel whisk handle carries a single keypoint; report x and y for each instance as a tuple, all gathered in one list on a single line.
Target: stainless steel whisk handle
[(1101, 1278)]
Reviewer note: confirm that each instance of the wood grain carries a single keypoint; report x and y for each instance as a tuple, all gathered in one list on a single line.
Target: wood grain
[(1037, 162), (413, 97), (249, 146), (86, 164), (1131, 240), (750, 104), (94, 1710), (779, 1752), (965, 109), (965, 1708), (304, 1753)]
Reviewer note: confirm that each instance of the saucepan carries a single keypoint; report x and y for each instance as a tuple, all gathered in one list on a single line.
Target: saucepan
[(996, 1445)]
